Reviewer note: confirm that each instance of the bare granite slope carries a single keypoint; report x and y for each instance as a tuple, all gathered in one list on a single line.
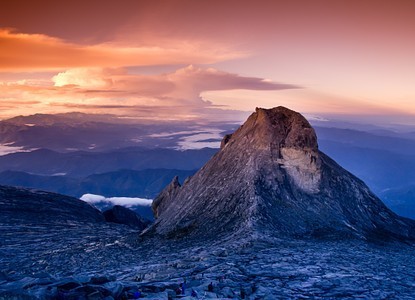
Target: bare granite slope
[(33, 206), (270, 177)]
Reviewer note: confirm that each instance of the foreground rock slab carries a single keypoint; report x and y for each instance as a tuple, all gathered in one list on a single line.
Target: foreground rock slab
[(109, 262)]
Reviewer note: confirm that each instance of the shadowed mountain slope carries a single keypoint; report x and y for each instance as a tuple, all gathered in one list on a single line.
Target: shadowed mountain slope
[(269, 177), (32, 206)]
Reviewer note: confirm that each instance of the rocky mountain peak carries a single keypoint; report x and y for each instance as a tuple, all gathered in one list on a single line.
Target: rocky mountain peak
[(162, 200), (288, 137), (280, 127), (270, 176)]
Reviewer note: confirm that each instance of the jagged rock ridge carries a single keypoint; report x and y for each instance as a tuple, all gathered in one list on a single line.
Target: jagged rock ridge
[(269, 176), (122, 215)]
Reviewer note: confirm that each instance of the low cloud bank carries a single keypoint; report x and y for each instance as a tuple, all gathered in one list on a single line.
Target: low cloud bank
[(123, 201), (6, 149)]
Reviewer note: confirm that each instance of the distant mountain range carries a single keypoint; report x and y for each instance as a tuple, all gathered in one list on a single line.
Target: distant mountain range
[(383, 157), (96, 133), (127, 183), (401, 200), (384, 160), (81, 164)]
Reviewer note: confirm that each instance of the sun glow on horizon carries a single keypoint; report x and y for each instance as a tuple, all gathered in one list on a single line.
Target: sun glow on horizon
[(354, 58)]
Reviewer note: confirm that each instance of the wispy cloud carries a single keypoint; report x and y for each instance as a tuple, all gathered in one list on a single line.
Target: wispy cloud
[(182, 86), (29, 52), (117, 91)]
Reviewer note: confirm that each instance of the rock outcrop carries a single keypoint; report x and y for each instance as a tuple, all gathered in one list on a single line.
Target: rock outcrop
[(122, 215), (33, 206), (269, 177), (165, 197)]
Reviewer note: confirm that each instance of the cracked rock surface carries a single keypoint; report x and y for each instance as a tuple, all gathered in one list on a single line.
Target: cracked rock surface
[(83, 257), (270, 176), (101, 260), (268, 217)]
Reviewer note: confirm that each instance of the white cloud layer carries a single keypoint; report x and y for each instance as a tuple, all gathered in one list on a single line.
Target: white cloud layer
[(7, 149), (123, 201)]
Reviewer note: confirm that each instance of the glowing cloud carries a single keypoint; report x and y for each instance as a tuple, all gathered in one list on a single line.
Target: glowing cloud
[(88, 78), (28, 52), (114, 90)]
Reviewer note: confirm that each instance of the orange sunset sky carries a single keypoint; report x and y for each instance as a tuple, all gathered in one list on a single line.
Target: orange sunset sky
[(193, 59)]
